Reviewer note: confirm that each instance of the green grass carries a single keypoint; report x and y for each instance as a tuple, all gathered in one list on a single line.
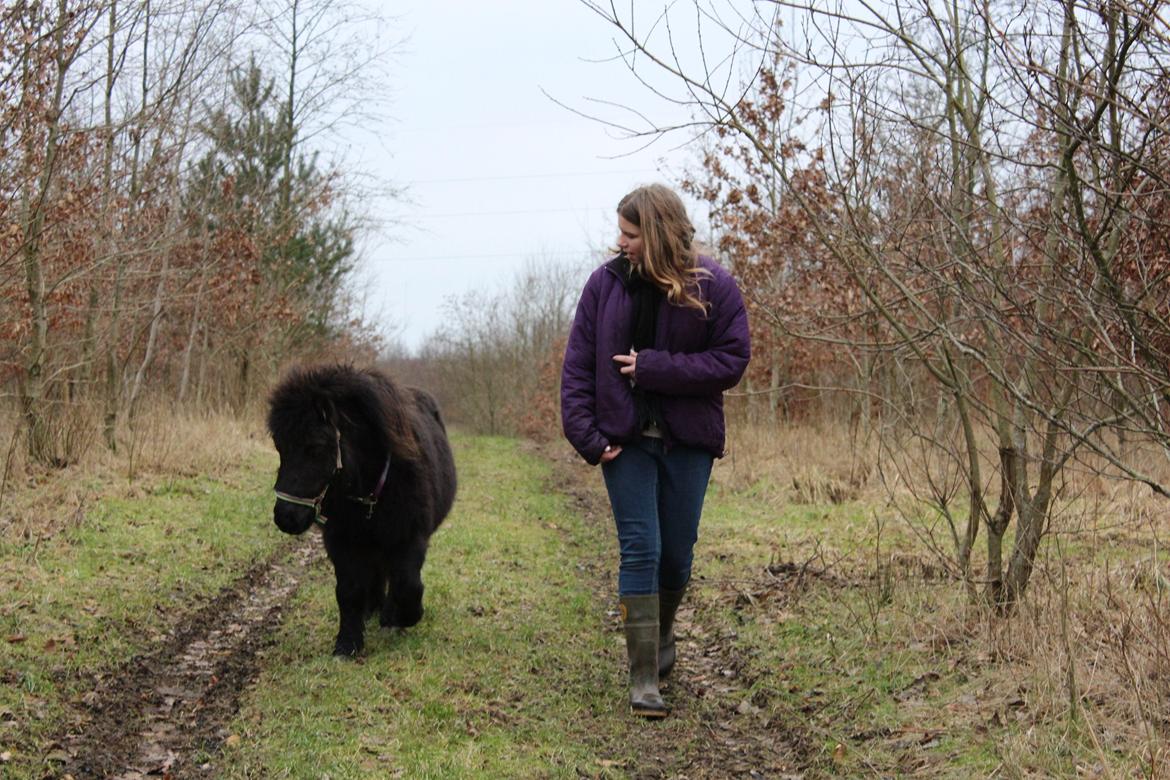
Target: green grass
[(91, 598), (510, 674), (517, 669)]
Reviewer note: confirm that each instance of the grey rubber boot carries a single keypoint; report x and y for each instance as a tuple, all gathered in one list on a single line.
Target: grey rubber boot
[(668, 601), (640, 616)]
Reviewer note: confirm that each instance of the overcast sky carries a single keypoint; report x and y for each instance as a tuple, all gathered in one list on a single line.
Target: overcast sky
[(498, 174)]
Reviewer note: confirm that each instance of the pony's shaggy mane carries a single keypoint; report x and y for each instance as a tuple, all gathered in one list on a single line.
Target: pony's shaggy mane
[(340, 393)]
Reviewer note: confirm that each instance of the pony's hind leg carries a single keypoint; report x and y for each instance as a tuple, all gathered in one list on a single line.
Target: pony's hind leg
[(376, 592), (403, 606)]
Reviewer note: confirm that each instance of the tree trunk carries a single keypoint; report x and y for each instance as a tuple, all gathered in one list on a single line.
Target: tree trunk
[(1033, 513), (110, 417), (245, 380), (998, 523), (113, 395), (192, 332), (201, 384), (774, 395), (113, 367), (290, 118), (34, 404), (151, 339), (976, 504)]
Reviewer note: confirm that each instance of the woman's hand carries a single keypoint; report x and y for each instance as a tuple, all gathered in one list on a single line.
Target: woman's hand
[(628, 362), (611, 451)]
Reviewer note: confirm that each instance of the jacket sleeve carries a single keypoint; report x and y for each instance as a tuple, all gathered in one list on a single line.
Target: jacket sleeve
[(715, 369), (578, 381)]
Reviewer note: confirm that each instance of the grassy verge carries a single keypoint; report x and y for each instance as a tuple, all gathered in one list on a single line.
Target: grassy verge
[(848, 628), (123, 565)]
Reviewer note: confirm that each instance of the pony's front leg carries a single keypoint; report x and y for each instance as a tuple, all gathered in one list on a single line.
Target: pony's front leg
[(351, 605)]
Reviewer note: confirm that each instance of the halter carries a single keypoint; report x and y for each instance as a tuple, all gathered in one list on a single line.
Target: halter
[(318, 501)]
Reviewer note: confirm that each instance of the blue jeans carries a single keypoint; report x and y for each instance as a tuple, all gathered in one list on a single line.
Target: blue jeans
[(657, 497)]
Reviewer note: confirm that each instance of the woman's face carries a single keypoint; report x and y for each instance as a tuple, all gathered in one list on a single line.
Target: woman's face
[(629, 239)]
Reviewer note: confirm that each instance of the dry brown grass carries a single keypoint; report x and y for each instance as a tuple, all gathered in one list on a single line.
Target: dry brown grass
[(186, 444), (805, 464), (36, 501), (1082, 668)]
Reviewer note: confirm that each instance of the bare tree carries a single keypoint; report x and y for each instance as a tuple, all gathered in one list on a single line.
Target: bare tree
[(110, 253), (54, 41), (495, 348), (974, 174)]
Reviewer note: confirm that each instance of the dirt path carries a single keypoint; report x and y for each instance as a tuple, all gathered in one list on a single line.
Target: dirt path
[(717, 728), (158, 715)]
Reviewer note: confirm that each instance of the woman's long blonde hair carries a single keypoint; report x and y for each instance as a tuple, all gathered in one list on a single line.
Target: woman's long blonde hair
[(669, 259)]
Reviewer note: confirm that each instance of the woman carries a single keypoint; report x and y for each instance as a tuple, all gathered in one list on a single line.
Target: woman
[(660, 333)]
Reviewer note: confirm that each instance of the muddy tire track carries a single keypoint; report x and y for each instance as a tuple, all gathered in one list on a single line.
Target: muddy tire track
[(165, 713)]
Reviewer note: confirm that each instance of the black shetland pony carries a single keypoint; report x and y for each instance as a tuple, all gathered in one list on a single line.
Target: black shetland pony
[(369, 462)]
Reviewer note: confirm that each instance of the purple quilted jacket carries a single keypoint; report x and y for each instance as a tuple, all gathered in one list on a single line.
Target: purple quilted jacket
[(693, 361)]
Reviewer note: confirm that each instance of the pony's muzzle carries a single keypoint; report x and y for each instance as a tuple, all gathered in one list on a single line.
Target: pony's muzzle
[(291, 518)]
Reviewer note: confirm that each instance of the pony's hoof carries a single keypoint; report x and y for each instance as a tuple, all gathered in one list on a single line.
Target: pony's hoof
[(346, 648), (400, 617)]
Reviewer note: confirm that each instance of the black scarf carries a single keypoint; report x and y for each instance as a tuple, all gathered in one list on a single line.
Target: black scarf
[(647, 297)]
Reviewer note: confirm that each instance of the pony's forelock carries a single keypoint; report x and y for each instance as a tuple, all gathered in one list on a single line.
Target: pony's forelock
[(347, 393)]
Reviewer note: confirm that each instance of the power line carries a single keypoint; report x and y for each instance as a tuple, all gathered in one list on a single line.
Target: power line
[(584, 253), (463, 179), (518, 212)]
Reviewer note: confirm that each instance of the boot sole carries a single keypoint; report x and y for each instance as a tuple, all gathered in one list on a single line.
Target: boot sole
[(654, 714)]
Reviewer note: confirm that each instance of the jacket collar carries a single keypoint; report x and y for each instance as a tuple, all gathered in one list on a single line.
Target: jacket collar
[(619, 266)]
